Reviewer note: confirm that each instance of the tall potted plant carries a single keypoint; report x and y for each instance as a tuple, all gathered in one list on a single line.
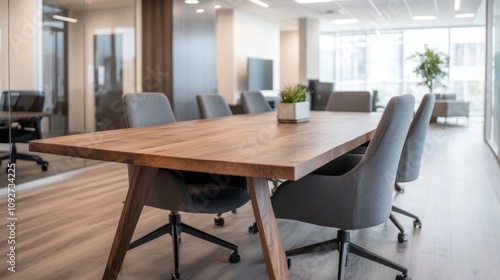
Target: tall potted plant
[(431, 66), (294, 106)]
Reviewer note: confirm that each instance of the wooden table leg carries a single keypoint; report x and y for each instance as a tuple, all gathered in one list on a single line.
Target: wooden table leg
[(138, 191), (273, 251)]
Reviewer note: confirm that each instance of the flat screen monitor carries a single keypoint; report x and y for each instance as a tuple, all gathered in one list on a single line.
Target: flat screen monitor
[(259, 74)]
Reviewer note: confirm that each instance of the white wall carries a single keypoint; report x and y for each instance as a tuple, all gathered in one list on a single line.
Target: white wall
[(4, 23), (289, 57), (25, 41), (251, 37)]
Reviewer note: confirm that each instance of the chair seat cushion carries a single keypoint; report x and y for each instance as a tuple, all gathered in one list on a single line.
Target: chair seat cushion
[(197, 192)]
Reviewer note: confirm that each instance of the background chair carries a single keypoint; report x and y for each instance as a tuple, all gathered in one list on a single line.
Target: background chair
[(411, 157), (179, 191), (350, 101), (22, 131), (212, 105), (357, 199), (254, 102)]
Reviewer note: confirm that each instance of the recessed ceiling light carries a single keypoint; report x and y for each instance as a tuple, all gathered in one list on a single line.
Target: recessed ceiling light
[(199, 11), (457, 5), (424, 18), (191, 2), (260, 3), (217, 6), (312, 1), (345, 21), (465, 15), (68, 19)]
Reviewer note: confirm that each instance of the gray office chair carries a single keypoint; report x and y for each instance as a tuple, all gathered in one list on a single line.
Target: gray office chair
[(212, 105), (358, 199), (411, 157), (350, 101), (181, 191), (409, 163), (254, 102)]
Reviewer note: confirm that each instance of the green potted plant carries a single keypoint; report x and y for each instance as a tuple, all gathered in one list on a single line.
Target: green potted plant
[(431, 67), (294, 106)]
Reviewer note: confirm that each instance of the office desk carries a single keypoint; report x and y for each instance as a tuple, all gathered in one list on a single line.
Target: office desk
[(17, 115), (255, 146)]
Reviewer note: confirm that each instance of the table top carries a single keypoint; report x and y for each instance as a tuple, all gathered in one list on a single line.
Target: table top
[(247, 145), (16, 115)]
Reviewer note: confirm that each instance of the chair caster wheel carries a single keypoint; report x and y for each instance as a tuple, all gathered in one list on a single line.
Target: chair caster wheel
[(289, 263), (235, 257), (253, 228), (403, 277), (399, 188), (219, 221), (417, 223), (176, 276), (402, 238), (45, 167)]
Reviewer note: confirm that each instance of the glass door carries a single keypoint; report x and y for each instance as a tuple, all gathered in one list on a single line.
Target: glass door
[(54, 69), (492, 108)]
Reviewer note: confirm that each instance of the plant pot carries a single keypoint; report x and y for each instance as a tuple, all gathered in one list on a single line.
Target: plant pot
[(293, 112)]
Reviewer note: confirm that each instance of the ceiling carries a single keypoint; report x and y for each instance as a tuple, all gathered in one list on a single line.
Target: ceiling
[(372, 15)]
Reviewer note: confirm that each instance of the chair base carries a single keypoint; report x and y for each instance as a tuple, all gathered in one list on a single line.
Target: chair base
[(344, 245), (14, 156), (416, 223), (174, 228)]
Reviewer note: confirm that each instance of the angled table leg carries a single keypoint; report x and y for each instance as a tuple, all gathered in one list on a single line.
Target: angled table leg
[(138, 191), (270, 241)]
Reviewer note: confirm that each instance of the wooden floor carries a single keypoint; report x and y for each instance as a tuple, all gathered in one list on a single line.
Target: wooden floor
[(65, 226)]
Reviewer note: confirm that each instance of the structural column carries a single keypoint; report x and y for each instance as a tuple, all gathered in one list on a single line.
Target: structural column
[(309, 49)]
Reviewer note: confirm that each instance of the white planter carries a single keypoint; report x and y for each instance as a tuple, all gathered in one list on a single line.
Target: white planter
[(293, 112)]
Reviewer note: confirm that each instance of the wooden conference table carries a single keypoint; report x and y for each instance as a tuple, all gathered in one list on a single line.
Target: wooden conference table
[(255, 146)]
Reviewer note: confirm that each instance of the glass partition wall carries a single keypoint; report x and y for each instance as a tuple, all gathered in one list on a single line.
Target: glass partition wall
[(81, 54), (492, 104), (379, 62)]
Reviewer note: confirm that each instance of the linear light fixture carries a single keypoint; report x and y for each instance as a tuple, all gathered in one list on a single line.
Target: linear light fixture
[(199, 11), (68, 19), (345, 21), (465, 15), (424, 18), (217, 6), (457, 5), (192, 2), (312, 1), (260, 3)]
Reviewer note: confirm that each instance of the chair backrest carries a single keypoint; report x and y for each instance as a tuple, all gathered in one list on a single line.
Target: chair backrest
[(145, 109), (350, 101), (212, 106), (377, 169), (413, 149), (254, 102), (23, 100)]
